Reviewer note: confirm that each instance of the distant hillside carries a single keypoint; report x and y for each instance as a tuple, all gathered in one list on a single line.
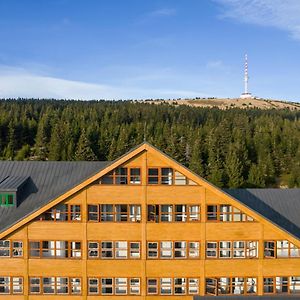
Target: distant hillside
[(227, 103)]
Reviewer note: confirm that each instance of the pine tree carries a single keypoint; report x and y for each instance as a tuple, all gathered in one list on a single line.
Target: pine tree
[(234, 169), (84, 151)]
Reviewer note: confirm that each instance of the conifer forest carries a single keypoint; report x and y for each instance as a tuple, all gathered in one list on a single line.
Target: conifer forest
[(231, 148)]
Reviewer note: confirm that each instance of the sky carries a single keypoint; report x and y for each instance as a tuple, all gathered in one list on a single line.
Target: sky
[(142, 49)]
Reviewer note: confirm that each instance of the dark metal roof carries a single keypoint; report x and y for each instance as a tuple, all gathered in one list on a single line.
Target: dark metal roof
[(280, 206), (48, 180), (12, 183), (266, 297)]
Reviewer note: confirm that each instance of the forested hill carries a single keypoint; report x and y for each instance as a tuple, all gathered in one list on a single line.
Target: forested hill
[(231, 148)]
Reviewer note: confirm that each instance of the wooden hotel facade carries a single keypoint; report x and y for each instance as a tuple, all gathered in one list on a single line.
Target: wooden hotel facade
[(142, 227)]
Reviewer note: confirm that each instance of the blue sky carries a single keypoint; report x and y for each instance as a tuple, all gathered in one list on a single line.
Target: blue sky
[(113, 49)]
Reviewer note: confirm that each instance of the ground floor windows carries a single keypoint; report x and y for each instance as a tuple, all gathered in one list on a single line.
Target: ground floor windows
[(173, 286), (282, 285), (114, 286), (173, 213), (10, 248), (280, 249), (232, 249), (54, 249), (55, 285), (114, 213), (173, 249), (114, 249), (231, 286), (11, 285)]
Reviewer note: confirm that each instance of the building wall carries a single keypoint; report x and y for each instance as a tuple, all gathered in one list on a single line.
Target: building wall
[(144, 231)]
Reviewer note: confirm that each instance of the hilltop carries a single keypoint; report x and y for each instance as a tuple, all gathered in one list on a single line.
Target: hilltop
[(227, 103)]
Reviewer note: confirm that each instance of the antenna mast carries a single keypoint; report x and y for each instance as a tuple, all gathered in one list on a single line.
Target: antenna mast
[(246, 94)]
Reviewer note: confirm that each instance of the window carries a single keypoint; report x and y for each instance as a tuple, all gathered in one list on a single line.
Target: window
[(152, 250), (10, 248), (294, 285), (226, 213), (225, 249), (17, 249), (211, 249), (55, 249), (212, 213), (120, 286), (5, 285), (118, 249), (282, 285), (152, 287), (75, 213), (179, 286), (135, 213), (135, 176), (134, 288), (153, 176), (121, 250), (107, 250), (17, 285), (180, 213), (166, 286), (114, 286), (106, 286), (194, 213), (7, 199), (93, 213), (75, 285), (167, 176), (166, 249), (121, 213), (180, 249), (62, 212), (93, 286), (231, 286), (122, 175), (35, 285), (4, 248), (114, 213), (194, 249), (48, 285), (170, 250), (93, 249), (134, 250), (166, 213), (62, 285), (193, 286), (269, 249), (173, 213), (55, 285), (232, 249), (173, 286), (280, 249)]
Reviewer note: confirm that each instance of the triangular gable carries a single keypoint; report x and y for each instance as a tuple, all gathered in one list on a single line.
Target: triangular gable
[(169, 161)]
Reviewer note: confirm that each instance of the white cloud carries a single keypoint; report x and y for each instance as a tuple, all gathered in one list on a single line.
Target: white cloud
[(17, 82), (282, 14)]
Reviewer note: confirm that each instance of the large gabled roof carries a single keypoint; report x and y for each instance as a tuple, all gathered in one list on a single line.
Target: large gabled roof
[(280, 206), (48, 180)]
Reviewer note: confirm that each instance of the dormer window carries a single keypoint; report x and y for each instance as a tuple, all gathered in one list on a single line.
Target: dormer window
[(7, 199)]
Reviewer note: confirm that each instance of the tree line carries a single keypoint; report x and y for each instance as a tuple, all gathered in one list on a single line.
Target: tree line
[(230, 148)]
